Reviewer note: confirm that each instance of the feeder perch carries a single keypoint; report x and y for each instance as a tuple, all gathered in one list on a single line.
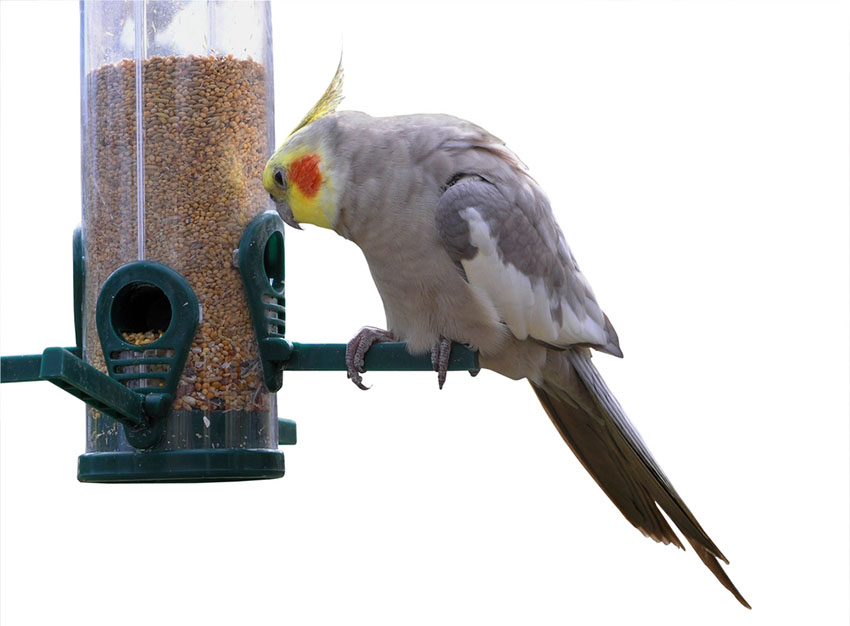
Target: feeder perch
[(179, 353)]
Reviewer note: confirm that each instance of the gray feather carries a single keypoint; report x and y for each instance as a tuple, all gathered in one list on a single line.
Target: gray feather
[(527, 237), (597, 429)]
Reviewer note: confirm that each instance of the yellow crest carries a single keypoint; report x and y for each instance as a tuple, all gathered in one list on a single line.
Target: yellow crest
[(327, 103)]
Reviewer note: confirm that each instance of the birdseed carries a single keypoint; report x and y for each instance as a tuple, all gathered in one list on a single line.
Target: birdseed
[(205, 145)]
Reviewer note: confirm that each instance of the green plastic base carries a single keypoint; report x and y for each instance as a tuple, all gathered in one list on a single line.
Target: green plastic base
[(175, 466)]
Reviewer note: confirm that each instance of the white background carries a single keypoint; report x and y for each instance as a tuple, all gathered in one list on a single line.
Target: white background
[(696, 155)]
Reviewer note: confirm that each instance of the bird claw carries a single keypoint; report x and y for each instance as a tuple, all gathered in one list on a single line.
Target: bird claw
[(440, 355), (356, 349)]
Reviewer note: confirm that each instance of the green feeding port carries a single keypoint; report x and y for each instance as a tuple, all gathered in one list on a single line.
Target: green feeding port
[(138, 298), (261, 264)]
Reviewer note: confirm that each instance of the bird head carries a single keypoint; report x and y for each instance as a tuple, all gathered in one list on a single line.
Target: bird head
[(299, 176)]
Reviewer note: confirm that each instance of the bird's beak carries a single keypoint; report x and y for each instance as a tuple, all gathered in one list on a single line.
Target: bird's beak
[(286, 215), (275, 183)]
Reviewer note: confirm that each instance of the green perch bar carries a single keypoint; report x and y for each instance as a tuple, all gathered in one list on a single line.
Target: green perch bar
[(391, 356), (306, 357)]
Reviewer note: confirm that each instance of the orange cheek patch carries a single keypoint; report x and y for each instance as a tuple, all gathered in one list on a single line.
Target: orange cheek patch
[(306, 175)]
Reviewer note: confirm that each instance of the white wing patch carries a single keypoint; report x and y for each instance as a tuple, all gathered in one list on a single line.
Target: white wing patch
[(522, 301)]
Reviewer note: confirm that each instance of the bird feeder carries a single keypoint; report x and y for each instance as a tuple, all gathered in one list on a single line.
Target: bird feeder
[(179, 262)]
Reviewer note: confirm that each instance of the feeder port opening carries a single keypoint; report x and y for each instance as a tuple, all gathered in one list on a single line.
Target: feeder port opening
[(140, 307), (273, 261)]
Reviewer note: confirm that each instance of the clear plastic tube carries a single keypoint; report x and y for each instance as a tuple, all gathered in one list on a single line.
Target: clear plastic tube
[(177, 114)]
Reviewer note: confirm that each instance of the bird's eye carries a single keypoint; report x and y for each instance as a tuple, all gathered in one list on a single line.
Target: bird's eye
[(278, 178)]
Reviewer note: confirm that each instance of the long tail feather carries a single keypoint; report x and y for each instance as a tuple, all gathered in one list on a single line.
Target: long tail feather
[(596, 428)]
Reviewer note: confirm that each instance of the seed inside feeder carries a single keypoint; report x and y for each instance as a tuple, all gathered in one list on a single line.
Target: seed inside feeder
[(205, 143)]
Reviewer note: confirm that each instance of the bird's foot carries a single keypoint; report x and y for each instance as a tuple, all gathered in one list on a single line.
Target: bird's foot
[(355, 351), (440, 355)]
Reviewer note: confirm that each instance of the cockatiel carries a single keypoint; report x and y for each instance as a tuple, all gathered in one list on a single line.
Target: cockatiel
[(463, 246)]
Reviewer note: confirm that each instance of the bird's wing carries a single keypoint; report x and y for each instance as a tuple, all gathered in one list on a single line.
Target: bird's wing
[(505, 240)]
